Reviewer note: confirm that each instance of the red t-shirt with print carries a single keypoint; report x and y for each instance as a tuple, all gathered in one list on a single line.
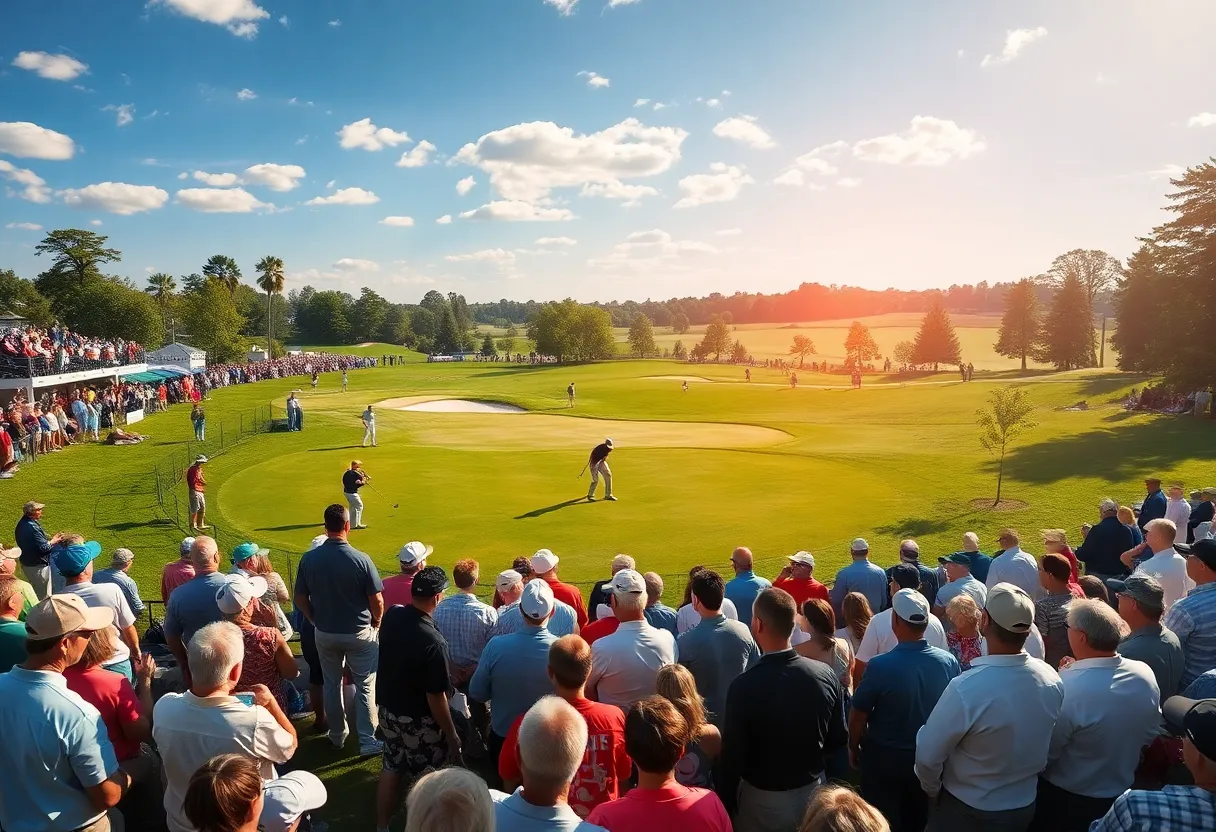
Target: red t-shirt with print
[(663, 810)]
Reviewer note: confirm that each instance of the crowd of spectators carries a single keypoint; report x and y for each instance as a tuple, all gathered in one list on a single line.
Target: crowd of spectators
[(31, 351), (1070, 690)]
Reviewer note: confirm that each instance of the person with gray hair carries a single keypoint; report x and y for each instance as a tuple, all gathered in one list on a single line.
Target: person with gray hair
[(1141, 603), (449, 800), (192, 727), (116, 573), (599, 592), (192, 605), (552, 744), (657, 613), (979, 561), (1103, 544), (1089, 764)]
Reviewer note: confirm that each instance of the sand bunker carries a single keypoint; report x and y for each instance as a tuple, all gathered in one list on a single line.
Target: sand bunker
[(689, 379), (462, 406)]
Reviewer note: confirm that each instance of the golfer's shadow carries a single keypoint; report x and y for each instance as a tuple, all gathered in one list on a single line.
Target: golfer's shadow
[(555, 507)]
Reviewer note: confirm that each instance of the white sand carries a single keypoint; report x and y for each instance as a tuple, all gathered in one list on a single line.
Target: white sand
[(462, 406), (689, 379)]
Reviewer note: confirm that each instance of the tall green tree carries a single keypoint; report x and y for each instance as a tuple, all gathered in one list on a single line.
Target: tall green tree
[(1005, 419), (1094, 269), (211, 318), (1143, 303), (270, 280), (936, 342), (641, 336), (328, 318), (77, 253), (570, 331), (1067, 339), (904, 353), (801, 348), (109, 310), (395, 328), (21, 298), (859, 346), (163, 288), (424, 322), (679, 323), (738, 353), (1020, 325), (487, 346), (370, 312), (222, 268), (717, 337), (193, 282), (449, 338)]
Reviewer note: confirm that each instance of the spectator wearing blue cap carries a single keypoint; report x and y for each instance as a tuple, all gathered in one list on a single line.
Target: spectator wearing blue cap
[(75, 562)]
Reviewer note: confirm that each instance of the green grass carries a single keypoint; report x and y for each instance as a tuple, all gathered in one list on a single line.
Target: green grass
[(698, 473)]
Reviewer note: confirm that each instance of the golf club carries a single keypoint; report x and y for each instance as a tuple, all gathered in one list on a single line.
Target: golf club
[(580, 475), (382, 497)]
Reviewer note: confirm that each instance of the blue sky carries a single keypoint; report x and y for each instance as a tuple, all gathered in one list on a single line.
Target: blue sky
[(616, 149)]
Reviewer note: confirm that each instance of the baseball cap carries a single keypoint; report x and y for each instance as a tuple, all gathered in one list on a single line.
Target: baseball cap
[(805, 558), (186, 544), (429, 582), (72, 559), (1054, 535), (246, 551), (238, 591), (627, 582), (909, 547), (1143, 588), (905, 575), (58, 615), (414, 552), (122, 556), (10, 554), (537, 601), (543, 561), (1207, 492), (956, 557), (1205, 550), (608, 442), (318, 540), (1196, 719), (1010, 607), (1007, 533), (286, 799), (911, 606), (1152, 479), (507, 579), (32, 506), (201, 458), (859, 545)]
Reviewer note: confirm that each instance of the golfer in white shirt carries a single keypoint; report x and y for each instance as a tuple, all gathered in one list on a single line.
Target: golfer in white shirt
[(369, 427), (1166, 564), (625, 664)]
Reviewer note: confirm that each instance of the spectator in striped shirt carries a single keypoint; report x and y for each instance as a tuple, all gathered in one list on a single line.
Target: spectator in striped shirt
[(1193, 618)]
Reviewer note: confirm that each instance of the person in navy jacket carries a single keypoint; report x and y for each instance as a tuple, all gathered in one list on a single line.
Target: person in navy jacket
[(1154, 503)]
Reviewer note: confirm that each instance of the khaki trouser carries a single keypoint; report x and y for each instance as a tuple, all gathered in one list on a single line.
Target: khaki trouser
[(369, 433), (39, 577), (764, 811), (356, 509), (111, 821), (599, 469)]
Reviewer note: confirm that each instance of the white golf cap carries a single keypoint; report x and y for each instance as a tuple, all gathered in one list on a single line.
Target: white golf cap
[(187, 543), (238, 591), (507, 579), (200, 458), (627, 582), (288, 798), (537, 600), (414, 552), (911, 606), (859, 545), (805, 558), (318, 540), (608, 442), (543, 561)]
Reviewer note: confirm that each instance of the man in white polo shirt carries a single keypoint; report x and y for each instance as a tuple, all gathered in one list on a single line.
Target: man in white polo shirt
[(979, 754), (1166, 564), (625, 664), (880, 636)]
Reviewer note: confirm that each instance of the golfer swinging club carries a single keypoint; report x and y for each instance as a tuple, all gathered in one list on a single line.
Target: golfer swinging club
[(352, 480), (598, 463), (369, 426)]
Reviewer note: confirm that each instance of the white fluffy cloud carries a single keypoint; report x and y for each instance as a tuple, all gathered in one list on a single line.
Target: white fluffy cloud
[(630, 195), (220, 200), (400, 222), (650, 251), (1015, 41), (115, 197), (713, 103), (527, 161), (364, 135), (465, 185), (124, 113), (417, 156), (513, 210), (793, 177), (237, 16), (275, 177), (594, 79), (95, 222), (489, 255), (246, 94), (928, 141), (215, 180), (446, 219), (25, 226), (27, 140), (641, 102), (745, 130), (346, 196), (556, 241), (722, 184), (1202, 120), (33, 186), (354, 264), (564, 7), (335, 23), (612, 4), (54, 67)]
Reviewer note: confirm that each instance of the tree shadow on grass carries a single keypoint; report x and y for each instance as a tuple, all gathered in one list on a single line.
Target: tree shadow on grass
[(291, 528), (555, 507), (915, 527)]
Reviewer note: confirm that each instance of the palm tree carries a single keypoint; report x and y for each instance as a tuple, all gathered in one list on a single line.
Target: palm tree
[(223, 268), (270, 281), (162, 286)]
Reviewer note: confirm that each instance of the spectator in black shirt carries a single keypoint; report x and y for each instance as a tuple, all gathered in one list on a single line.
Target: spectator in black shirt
[(412, 688), (1104, 543), (352, 480), (783, 716)]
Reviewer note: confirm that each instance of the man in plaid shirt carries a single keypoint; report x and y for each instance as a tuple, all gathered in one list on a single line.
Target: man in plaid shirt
[(1176, 808), (467, 624)]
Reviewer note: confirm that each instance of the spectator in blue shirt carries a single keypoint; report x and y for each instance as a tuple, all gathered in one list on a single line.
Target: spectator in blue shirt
[(120, 563), (894, 699), (1193, 618), (35, 548), (192, 605), (979, 561), (657, 613), (862, 576), (1154, 504), (742, 589)]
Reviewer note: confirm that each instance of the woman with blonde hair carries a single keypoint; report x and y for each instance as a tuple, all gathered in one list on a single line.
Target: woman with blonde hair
[(449, 800), (676, 684), (840, 809), (857, 614), (1128, 518), (964, 639)]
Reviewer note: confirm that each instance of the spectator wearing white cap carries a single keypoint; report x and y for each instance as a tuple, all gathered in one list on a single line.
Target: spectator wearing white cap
[(289, 799), (58, 761), (1111, 712), (544, 566), (717, 650), (268, 659), (192, 727), (75, 563), (412, 559), (880, 634), (116, 573), (741, 590), (510, 587), (625, 664), (177, 572), (979, 755), (862, 575), (599, 592), (514, 669), (1014, 566), (9, 558), (1167, 565), (35, 547), (338, 589), (796, 578)]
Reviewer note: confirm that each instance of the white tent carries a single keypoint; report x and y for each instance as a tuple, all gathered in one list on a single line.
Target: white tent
[(179, 355)]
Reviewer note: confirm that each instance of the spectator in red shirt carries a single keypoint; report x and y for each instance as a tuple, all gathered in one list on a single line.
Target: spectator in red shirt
[(1055, 542), (197, 483), (544, 566), (655, 736), (797, 581), (412, 558), (606, 765), (178, 572), (600, 627)]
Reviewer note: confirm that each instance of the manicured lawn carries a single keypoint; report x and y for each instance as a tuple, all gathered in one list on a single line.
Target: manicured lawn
[(697, 473)]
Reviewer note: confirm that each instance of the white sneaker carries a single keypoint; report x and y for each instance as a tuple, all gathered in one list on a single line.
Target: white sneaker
[(610, 498), (6, 475), (591, 498)]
